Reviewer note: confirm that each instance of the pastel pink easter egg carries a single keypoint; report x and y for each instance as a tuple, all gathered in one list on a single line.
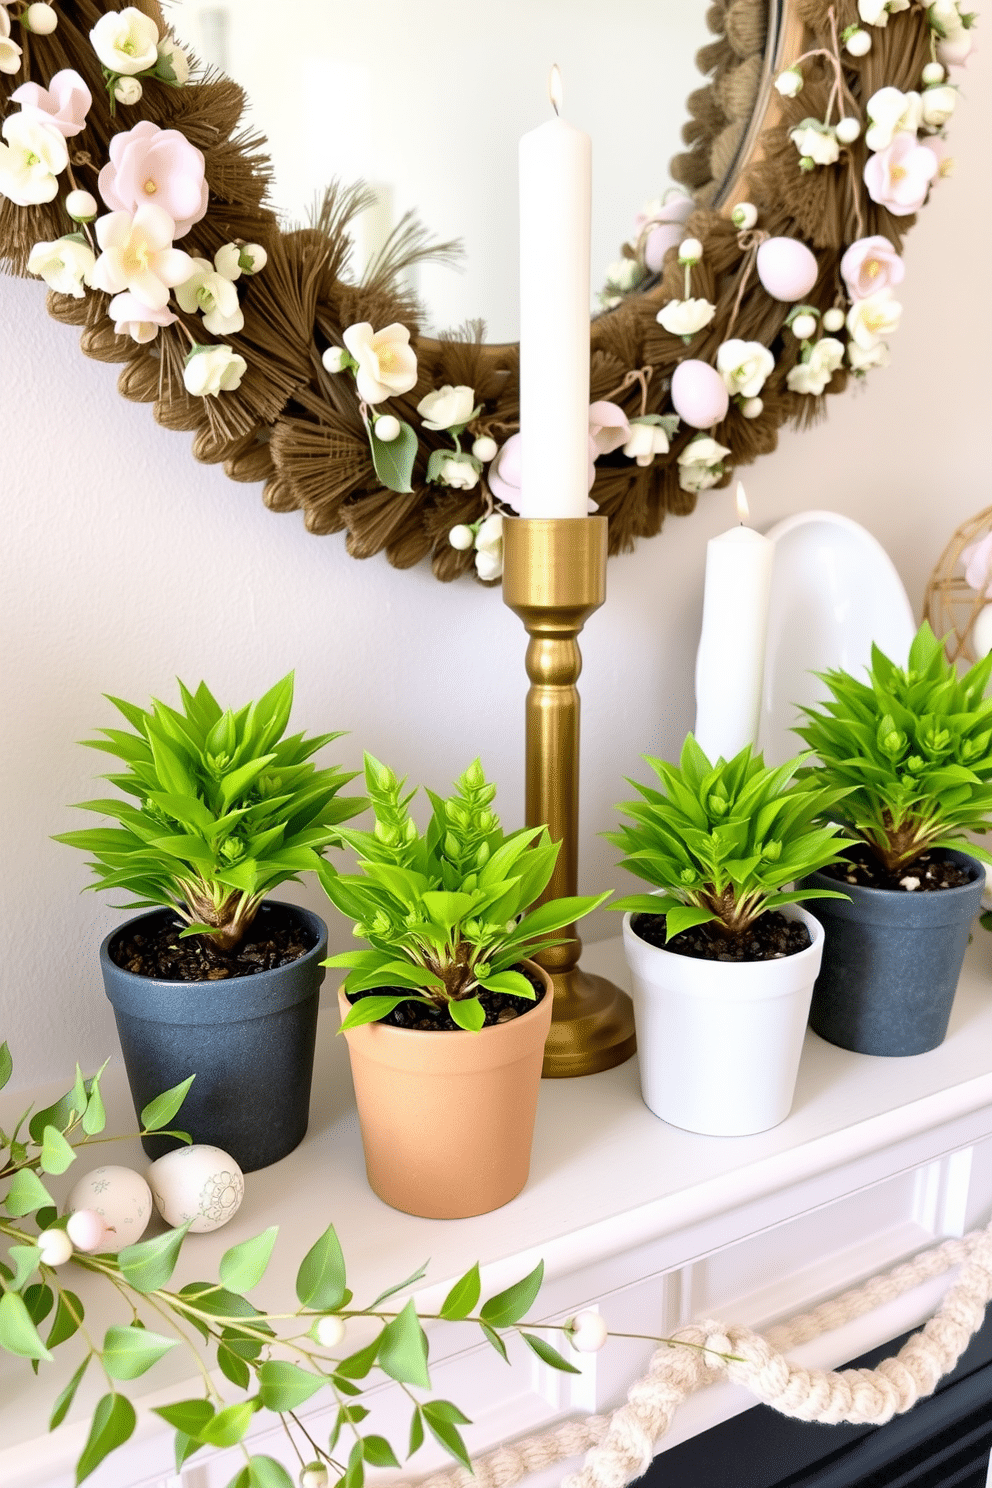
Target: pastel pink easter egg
[(699, 394), (787, 269)]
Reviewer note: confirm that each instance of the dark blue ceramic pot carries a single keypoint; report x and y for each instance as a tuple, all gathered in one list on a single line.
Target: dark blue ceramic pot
[(891, 962), (249, 1040)]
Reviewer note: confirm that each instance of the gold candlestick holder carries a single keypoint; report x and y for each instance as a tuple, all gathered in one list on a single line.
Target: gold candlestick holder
[(554, 578)]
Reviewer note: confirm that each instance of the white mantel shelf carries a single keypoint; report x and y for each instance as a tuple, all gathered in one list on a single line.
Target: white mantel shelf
[(880, 1157)]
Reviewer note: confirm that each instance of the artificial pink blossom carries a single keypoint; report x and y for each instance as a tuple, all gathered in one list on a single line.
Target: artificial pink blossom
[(138, 256), (609, 429), (64, 103), (899, 176), (870, 265), (133, 318), (160, 166)]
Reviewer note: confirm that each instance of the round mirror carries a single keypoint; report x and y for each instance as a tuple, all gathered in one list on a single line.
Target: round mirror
[(427, 105)]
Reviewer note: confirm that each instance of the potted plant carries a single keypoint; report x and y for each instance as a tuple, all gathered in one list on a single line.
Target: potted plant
[(722, 957), (216, 981), (910, 749), (445, 1014)]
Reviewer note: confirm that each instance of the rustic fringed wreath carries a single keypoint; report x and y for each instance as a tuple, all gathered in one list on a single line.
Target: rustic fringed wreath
[(254, 349)]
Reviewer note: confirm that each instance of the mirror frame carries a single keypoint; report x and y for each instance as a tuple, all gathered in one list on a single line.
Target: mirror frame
[(301, 430)]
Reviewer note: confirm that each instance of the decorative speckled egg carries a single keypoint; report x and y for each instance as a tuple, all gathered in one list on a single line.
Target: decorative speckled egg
[(699, 394), (787, 269), (122, 1199), (199, 1183)]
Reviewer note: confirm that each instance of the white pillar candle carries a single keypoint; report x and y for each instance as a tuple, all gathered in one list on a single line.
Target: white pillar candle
[(730, 663), (555, 217)]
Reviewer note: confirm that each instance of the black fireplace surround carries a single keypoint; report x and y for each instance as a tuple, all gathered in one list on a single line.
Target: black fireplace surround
[(943, 1442)]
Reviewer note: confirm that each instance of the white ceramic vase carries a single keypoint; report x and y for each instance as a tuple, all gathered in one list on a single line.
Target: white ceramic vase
[(719, 1042)]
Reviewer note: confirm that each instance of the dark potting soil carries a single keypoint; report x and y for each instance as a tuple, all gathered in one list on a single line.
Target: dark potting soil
[(767, 939), (499, 1007), (274, 938), (930, 871)]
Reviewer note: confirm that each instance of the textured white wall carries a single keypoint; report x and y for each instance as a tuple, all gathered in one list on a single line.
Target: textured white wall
[(126, 564)]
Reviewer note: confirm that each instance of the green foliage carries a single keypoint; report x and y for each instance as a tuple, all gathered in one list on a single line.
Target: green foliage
[(910, 750), (724, 840), (275, 1360), (225, 808), (445, 913)]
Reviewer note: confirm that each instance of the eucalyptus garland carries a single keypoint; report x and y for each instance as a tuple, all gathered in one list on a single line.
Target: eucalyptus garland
[(718, 327)]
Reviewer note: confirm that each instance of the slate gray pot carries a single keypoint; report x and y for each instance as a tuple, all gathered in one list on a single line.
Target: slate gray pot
[(891, 962), (249, 1040)]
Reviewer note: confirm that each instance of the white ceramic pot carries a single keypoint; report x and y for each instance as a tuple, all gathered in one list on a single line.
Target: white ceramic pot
[(718, 1042)]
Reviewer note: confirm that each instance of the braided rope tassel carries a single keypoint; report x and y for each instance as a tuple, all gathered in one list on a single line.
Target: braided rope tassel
[(621, 1447)]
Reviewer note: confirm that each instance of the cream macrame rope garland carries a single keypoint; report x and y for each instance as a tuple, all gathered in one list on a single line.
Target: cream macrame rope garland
[(620, 1447)]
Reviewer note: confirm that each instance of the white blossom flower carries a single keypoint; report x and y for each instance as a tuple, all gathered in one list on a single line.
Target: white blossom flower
[(812, 375), (128, 91), (877, 12), (860, 359), (458, 471), (211, 370), (870, 320), (227, 261), (172, 64), (137, 320), (214, 295), (387, 364), (10, 52), (81, 206), (931, 74), (938, 105), (489, 547), (40, 18), (624, 275), (647, 439), (701, 463), (63, 265), (31, 160), (891, 112), (447, 408), (953, 31), (744, 366), (685, 317), (790, 82), (138, 256), (816, 142), (126, 41)]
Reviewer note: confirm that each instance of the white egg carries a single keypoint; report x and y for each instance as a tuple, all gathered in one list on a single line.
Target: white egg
[(699, 394), (787, 269), (198, 1183), (122, 1199)]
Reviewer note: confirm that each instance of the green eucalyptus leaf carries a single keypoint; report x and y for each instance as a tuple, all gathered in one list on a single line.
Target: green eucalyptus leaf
[(26, 1194), (547, 1354), (320, 1281), (463, 1297), (149, 1265), (65, 1397), (26, 1259), (394, 459), (243, 1266), (130, 1352), (188, 1416), (69, 1316), (440, 1416), (113, 1423), (160, 1111), (233, 1367), (403, 1349), (266, 1472), (6, 1065), (284, 1386), (399, 1286), (39, 1301), (416, 1432), (377, 1452), (230, 1425), (509, 1306), (56, 1153)]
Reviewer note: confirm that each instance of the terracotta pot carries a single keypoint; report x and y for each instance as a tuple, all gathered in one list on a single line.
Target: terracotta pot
[(448, 1118)]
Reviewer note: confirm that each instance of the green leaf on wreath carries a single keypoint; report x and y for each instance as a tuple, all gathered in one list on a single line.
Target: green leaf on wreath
[(394, 459)]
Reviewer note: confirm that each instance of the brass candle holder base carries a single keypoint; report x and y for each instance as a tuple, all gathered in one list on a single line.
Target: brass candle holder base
[(554, 578)]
